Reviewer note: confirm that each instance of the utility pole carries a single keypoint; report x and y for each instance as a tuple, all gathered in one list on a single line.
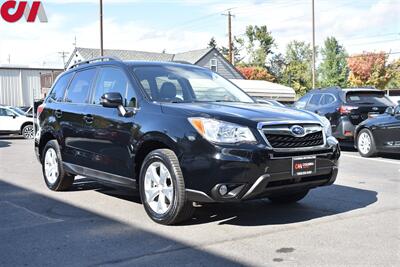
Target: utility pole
[(101, 29), (313, 46), (75, 43), (63, 56), (230, 45)]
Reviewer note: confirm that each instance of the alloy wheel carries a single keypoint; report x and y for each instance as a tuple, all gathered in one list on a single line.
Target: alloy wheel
[(158, 188), (51, 166), (27, 132), (364, 143)]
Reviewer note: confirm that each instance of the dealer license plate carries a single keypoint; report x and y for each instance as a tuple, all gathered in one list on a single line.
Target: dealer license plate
[(306, 165)]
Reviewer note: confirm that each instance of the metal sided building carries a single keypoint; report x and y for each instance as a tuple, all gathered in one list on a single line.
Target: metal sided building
[(20, 85)]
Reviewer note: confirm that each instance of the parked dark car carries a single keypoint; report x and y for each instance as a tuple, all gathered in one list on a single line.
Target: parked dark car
[(180, 134), (379, 134), (345, 108)]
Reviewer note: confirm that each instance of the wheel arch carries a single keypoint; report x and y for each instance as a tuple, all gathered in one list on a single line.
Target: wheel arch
[(44, 139), (25, 124), (151, 142)]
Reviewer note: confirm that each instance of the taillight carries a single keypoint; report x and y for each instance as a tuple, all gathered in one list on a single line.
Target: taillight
[(39, 110), (346, 109)]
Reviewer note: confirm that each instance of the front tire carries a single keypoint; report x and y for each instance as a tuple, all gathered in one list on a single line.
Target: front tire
[(162, 188), (53, 172), (288, 198), (366, 144)]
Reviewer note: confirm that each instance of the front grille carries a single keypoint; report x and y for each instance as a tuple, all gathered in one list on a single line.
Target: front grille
[(289, 141), (310, 179)]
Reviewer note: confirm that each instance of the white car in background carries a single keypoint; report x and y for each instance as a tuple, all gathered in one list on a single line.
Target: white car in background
[(15, 121)]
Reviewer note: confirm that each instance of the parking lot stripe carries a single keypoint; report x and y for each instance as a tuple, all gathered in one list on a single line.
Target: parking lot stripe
[(372, 159)]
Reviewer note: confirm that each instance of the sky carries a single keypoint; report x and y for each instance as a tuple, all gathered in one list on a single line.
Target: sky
[(182, 25)]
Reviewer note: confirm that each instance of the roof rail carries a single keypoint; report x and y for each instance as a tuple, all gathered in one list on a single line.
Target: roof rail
[(97, 59)]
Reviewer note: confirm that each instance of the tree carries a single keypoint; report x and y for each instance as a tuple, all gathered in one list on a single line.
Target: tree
[(370, 69), (256, 73), (394, 82), (297, 73), (238, 44), (260, 43), (276, 66), (212, 43), (333, 70)]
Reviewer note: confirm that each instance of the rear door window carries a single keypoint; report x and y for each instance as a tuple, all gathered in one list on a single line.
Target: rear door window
[(80, 86), (368, 98), (57, 94)]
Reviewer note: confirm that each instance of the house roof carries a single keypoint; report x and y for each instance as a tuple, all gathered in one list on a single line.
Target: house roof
[(88, 53), (191, 56)]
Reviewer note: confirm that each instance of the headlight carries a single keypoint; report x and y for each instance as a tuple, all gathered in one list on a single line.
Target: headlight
[(222, 132), (327, 125)]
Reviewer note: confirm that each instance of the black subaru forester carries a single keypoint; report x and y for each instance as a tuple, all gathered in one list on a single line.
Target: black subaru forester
[(180, 134)]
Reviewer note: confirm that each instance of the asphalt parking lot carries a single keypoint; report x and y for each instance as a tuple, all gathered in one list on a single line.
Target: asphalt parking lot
[(354, 222)]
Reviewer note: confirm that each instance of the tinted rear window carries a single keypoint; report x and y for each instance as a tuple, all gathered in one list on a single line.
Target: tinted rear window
[(368, 98), (57, 94), (80, 86)]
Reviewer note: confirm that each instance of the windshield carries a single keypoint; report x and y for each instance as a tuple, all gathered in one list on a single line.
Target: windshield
[(18, 111), (187, 84), (368, 98)]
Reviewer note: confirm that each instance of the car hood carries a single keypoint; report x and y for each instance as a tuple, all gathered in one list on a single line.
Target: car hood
[(245, 113)]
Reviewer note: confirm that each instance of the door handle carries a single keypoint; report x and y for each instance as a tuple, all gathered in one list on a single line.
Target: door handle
[(88, 119), (58, 113)]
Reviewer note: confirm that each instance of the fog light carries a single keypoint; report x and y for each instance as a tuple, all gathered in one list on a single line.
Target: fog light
[(223, 190)]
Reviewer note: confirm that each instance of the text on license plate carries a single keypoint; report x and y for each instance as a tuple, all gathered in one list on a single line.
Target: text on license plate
[(304, 165)]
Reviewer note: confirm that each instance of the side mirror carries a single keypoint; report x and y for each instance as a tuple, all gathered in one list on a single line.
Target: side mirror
[(390, 111), (115, 100), (111, 100)]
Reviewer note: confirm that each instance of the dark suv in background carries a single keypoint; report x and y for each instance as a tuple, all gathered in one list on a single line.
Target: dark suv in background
[(180, 134), (345, 108)]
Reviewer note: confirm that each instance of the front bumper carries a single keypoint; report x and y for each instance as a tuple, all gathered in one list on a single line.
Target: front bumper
[(256, 174)]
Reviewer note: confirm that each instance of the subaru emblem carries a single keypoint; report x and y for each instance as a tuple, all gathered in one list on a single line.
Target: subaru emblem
[(297, 131), (375, 108)]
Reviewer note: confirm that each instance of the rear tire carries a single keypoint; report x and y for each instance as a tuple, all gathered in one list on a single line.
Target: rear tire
[(289, 198), (53, 172), (366, 144), (162, 188), (27, 131)]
